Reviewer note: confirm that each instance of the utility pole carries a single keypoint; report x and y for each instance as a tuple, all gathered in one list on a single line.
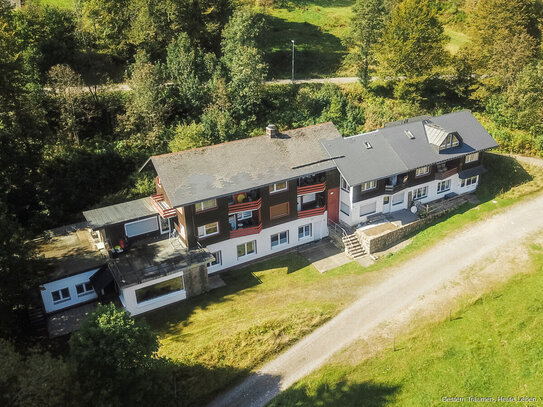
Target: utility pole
[(292, 60)]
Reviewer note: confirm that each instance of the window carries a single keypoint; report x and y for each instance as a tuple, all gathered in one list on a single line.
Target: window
[(397, 199), (386, 200), (279, 239), (367, 209), (208, 230), (205, 205), (217, 261), (182, 231), (422, 171), (280, 186), (443, 186), (158, 290), (345, 209), (344, 185), (450, 141), (304, 231), (61, 295), (469, 181), (164, 225), (84, 289), (244, 215), (472, 157), (278, 211), (140, 227), (246, 249), (420, 193), (366, 186)]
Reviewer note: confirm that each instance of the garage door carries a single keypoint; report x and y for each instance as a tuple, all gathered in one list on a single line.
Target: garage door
[(141, 227)]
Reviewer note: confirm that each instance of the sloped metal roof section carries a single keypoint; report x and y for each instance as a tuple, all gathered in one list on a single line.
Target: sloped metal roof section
[(435, 133), (123, 212)]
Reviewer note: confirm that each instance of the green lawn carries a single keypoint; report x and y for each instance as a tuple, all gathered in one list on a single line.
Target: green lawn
[(318, 28), (491, 347), (219, 337), (68, 4)]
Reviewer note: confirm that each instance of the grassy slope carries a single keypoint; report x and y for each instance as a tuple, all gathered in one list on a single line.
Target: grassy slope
[(68, 4), (492, 347), (222, 335)]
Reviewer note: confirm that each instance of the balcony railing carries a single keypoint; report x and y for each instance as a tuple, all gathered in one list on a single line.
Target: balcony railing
[(246, 231), (312, 212), (162, 207), (311, 189), (446, 174), (245, 206)]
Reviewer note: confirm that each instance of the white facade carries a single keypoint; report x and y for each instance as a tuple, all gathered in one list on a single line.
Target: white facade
[(359, 211), (263, 241), (59, 294), (128, 296)]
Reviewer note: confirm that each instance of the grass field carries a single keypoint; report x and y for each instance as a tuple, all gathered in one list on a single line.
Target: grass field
[(59, 3), (491, 347), (219, 337)]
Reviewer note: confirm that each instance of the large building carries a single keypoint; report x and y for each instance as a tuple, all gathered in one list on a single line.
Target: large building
[(221, 206)]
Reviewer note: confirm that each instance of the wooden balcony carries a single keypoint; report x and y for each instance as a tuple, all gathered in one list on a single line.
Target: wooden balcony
[(245, 206), (311, 212), (162, 207), (252, 230), (446, 174), (311, 189)]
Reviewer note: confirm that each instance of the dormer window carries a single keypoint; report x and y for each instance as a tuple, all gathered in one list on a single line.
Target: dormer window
[(419, 172), (450, 141)]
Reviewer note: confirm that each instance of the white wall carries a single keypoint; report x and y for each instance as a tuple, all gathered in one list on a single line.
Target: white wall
[(228, 247), (354, 218), (69, 283), (128, 296)]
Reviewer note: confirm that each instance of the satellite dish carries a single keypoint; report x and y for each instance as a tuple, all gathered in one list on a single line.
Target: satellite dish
[(414, 209)]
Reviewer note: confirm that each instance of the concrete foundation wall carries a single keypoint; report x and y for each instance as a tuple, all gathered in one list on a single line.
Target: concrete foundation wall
[(196, 280)]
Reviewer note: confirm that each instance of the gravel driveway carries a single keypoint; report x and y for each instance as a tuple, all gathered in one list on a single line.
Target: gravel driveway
[(399, 288)]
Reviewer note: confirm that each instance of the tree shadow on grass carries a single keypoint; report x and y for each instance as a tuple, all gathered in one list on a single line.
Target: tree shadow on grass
[(317, 53), (236, 281), (342, 394)]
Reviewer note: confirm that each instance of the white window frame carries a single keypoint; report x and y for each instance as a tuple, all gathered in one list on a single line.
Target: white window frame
[(304, 229), (466, 182), (200, 206), (217, 261), (443, 186), (163, 231), (244, 215), (344, 185), (274, 189), (368, 186), (419, 172), (472, 157), (343, 204), (245, 249), (450, 141), (203, 228), (62, 298), (85, 290), (139, 221), (279, 238), (420, 193), (374, 206)]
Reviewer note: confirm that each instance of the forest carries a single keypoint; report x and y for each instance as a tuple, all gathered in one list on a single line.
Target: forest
[(195, 73)]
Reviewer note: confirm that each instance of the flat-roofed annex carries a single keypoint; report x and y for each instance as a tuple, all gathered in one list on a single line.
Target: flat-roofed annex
[(203, 173)]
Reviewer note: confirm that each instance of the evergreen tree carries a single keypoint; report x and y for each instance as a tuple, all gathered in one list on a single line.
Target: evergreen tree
[(366, 27)]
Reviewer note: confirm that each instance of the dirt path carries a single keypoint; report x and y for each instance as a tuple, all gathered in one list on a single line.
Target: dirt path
[(393, 292)]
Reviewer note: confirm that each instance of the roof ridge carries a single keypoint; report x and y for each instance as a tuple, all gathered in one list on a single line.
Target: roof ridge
[(240, 139)]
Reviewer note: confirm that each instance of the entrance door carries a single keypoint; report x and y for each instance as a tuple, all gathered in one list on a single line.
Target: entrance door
[(386, 204), (333, 205)]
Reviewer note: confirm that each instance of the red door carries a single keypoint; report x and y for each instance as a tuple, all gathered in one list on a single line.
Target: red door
[(333, 205)]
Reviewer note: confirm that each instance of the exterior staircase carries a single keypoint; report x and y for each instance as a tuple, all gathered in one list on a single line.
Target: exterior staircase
[(346, 236), (37, 320), (353, 248)]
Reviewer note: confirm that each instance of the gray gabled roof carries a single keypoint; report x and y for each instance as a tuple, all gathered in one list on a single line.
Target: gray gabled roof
[(123, 212), (204, 173), (435, 133), (394, 152)]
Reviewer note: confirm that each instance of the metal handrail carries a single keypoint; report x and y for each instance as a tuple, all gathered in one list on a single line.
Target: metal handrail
[(343, 232)]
